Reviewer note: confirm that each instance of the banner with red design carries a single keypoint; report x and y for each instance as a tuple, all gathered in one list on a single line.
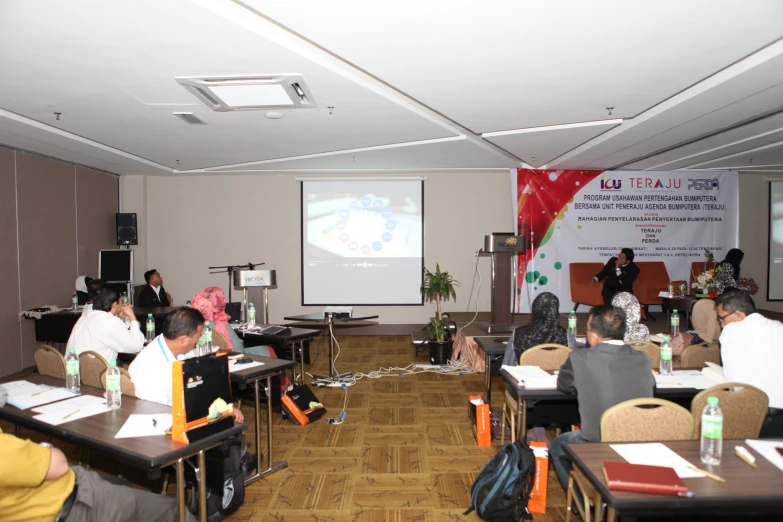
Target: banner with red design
[(576, 216)]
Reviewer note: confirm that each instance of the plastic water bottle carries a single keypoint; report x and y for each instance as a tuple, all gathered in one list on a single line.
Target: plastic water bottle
[(75, 301), (72, 377), (150, 327), (671, 289), (572, 323), (674, 322), (201, 344), (711, 433), (188, 304), (251, 315), (125, 297), (207, 333), (113, 391), (665, 367)]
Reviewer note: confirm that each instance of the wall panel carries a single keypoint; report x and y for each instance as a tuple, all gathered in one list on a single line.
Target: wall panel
[(96, 205), (10, 348)]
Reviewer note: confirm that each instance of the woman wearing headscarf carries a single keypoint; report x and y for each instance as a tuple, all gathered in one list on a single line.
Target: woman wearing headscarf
[(633, 314), (544, 328), (727, 274), (82, 289), (705, 327)]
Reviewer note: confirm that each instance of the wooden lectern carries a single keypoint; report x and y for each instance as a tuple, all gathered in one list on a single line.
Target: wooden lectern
[(503, 248)]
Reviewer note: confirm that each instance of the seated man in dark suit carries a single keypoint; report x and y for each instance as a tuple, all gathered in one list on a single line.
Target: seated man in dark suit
[(153, 293), (620, 273), (609, 373)]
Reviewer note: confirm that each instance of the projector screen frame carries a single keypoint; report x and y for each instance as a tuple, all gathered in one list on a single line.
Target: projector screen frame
[(302, 237), (769, 238)]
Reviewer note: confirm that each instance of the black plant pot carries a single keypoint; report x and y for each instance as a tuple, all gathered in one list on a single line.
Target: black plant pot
[(440, 351)]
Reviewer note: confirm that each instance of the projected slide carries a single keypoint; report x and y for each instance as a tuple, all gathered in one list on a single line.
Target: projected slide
[(775, 283), (362, 241)]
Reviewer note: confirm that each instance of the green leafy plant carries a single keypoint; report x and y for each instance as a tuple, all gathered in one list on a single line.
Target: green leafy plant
[(709, 255), (437, 287)]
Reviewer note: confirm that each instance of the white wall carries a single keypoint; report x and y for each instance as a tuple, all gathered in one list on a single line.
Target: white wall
[(193, 222)]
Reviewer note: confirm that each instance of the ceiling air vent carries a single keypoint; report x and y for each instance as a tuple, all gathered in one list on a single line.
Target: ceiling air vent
[(189, 117), (247, 93)]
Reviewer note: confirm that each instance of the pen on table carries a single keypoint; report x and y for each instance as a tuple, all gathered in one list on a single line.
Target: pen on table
[(154, 423), (40, 392), (687, 494), (707, 474), (72, 413), (745, 455)]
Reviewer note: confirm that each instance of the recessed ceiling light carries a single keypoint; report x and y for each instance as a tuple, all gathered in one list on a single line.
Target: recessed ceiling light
[(223, 94), (274, 115)]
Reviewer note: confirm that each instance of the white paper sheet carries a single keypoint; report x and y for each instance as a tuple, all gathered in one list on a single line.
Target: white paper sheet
[(686, 379), (17, 387), (141, 425), (42, 395), (532, 377), (82, 402), (655, 454), (234, 367), (766, 448)]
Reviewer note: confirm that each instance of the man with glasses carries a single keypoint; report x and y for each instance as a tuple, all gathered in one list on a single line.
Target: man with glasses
[(609, 373), (752, 352)]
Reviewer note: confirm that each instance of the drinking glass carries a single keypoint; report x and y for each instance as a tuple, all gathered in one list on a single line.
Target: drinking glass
[(682, 288)]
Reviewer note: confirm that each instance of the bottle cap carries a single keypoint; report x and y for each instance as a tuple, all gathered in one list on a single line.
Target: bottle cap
[(712, 401), (72, 349), (666, 337), (113, 363), (149, 315), (573, 312), (674, 311)]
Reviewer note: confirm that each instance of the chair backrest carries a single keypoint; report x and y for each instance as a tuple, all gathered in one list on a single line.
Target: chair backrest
[(645, 420), (171, 299), (581, 291), (698, 355), (91, 364), (545, 356), (126, 384), (744, 408), (49, 361), (653, 277), (218, 340), (652, 350)]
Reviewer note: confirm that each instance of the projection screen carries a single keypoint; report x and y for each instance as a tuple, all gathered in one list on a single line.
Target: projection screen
[(775, 266), (362, 241)]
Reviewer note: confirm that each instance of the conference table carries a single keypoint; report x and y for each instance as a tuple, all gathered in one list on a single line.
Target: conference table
[(293, 338), (681, 303), (747, 491), (96, 433), (493, 347), (566, 404), (55, 327)]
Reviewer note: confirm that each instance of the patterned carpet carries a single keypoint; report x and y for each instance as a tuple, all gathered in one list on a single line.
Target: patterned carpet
[(405, 452)]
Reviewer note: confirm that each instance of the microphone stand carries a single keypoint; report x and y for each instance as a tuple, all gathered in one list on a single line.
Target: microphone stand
[(229, 269)]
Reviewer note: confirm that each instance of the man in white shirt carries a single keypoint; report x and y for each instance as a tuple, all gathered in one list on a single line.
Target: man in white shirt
[(752, 352), (153, 294), (151, 370), (103, 330)]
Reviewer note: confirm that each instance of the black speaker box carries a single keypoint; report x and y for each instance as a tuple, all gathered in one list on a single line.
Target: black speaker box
[(126, 229)]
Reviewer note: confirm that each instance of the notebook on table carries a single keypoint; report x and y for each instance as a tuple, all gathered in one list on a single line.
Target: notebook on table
[(639, 478)]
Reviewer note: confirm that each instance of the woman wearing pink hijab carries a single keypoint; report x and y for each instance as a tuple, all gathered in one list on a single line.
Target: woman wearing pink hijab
[(211, 302)]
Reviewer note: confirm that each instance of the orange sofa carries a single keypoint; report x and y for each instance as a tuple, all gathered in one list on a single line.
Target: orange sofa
[(653, 278)]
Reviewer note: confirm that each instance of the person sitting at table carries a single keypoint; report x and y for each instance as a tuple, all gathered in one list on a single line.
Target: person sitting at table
[(103, 330), (619, 274), (751, 348), (705, 328), (727, 274), (92, 288), (82, 288), (609, 373), (153, 294), (36, 483), (544, 328), (633, 314)]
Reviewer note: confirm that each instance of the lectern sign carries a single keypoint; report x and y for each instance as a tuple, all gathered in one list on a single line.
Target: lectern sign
[(250, 278)]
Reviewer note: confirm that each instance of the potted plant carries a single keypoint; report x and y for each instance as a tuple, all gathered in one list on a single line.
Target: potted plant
[(437, 287)]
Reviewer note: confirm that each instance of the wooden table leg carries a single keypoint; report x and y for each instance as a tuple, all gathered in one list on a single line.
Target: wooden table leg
[(180, 468), (521, 417), (611, 514)]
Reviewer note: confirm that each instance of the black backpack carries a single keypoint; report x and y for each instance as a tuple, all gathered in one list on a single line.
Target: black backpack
[(502, 488)]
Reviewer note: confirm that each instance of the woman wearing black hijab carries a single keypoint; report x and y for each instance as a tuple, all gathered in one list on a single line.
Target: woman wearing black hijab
[(544, 328), (728, 273)]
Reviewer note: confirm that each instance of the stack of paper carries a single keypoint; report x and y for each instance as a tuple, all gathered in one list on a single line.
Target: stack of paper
[(25, 395), (655, 454), (234, 367), (532, 377), (66, 411), (769, 449)]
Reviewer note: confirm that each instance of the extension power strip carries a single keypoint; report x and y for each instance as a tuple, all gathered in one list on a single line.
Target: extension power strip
[(428, 366)]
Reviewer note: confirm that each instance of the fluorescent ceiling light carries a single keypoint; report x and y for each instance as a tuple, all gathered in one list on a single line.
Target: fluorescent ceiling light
[(253, 95), (617, 121)]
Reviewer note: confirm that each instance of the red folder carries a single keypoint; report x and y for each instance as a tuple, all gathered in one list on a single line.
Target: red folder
[(622, 476)]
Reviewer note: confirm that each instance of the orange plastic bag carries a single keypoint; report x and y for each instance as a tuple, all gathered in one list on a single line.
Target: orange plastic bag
[(537, 502), (479, 414)]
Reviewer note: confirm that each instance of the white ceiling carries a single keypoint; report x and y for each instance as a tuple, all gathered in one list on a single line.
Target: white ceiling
[(414, 85)]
